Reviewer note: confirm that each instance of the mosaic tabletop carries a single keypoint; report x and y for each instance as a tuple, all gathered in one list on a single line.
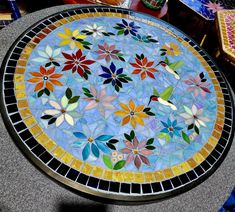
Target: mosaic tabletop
[(116, 104), (208, 8)]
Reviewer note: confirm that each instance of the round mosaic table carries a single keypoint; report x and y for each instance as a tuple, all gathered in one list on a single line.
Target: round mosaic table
[(116, 104)]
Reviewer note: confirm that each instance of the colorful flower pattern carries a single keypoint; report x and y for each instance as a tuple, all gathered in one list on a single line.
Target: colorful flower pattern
[(107, 119)]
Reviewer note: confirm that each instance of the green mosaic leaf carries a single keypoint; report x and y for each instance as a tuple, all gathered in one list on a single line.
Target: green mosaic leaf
[(68, 93), (113, 141), (190, 126), (150, 147), (46, 117), (120, 164), (40, 93), (127, 137), (46, 91), (150, 141), (185, 137), (85, 90), (120, 32), (111, 146), (132, 134), (51, 121), (107, 161), (196, 129), (74, 99)]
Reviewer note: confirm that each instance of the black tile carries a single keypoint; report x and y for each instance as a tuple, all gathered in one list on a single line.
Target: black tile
[(210, 159), (8, 85), (26, 39), (227, 97), (31, 142), (84, 10), (156, 187), (8, 77), (58, 17), (65, 14), (92, 10), (219, 148), (9, 92), (228, 121), (80, 11), (21, 45), (63, 169), (105, 9), (36, 29), (20, 126), (46, 22), (12, 63), (191, 43), (10, 70), (166, 185), (112, 10), (45, 157), (53, 19), (99, 9), (31, 34), (72, 174), (228, 109), (135, 188), (10, 100), (125, 187), (17, 50), (197, 48), (25, 135), (191, 174), (104, 185), (12, 108), (119, 10), (186, 39), (205, 165), (206, 58), (82, 178), (125, 12), (54, 164), (15, 117), (228, 115), (114, 186), (72, 13), (41, 26), (93, 182), (176, 182), (199, 170), (38, 150), (15, 56), (210, 63), (227, 128), (184, 178), (222, 142), (146, 188), (215, 154)]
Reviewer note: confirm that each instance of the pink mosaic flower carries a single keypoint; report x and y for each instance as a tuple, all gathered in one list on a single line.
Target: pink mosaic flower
[(214, 6), (108, 52), (136, 152), (99, 99), (197, 85)]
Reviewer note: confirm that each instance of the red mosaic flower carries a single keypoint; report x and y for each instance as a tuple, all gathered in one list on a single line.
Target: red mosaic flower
[(77, 63), (143, 67)]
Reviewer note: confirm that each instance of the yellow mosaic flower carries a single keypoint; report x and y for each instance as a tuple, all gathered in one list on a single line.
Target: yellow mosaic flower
[(131, 113), (70, 38), (171, 49)]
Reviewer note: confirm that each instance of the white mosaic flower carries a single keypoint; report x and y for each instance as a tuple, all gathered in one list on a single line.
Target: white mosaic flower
[(49, 56), (194, 116), (96, 30), (63, 111)]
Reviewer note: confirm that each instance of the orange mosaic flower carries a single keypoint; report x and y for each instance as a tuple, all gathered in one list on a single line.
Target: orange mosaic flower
[(131, 113), (45, 78)]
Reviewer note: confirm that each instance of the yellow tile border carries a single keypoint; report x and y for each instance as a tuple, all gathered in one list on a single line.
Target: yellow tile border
[(120, 176)]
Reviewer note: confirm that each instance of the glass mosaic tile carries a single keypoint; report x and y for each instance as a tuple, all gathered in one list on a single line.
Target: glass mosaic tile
[(116, 104)]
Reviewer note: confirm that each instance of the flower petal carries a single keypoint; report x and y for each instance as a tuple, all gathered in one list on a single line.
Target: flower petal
[(64, 42), (194, 110), (135, 143), (139, 120), (103, 137), (80, 135), (129, 158), (132, 105), (145, 160), (40, 59), (133, 122), (125, 151), (86, 152), (126, 120), (137, 162), (52, 112), (124, 106), (39, 86), (92, 104), (95, 150), (55, 104), (59, 120), (142, 115), (64, 101), (71, 107), (121, 113), (103, 147), (69, 119), (146, 152), (139, 108), (49, 51)]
